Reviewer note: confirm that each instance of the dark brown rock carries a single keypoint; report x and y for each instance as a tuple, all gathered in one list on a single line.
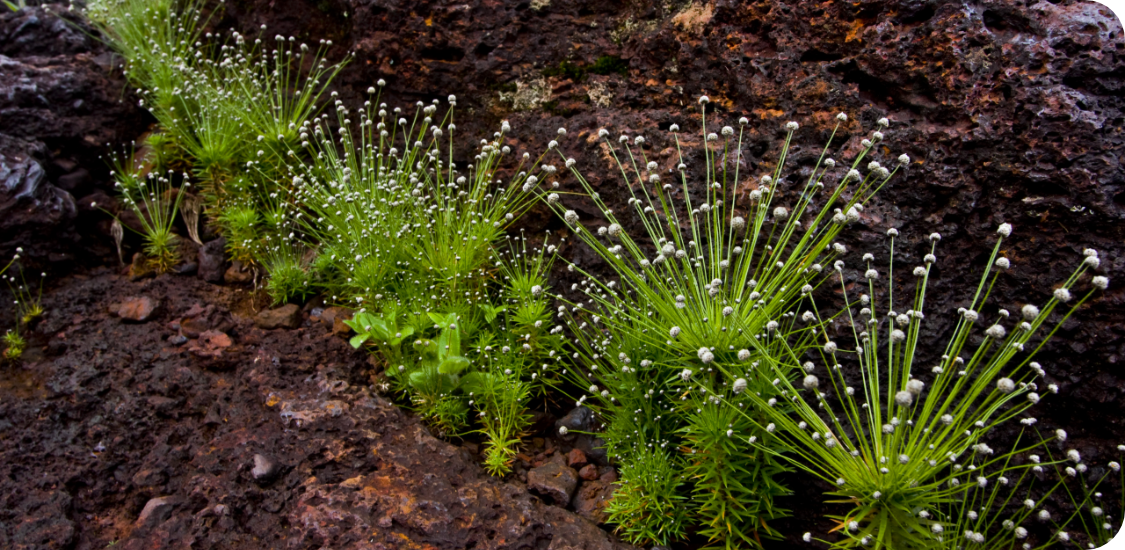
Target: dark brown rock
[(212, 260), (555, 482), (591, 500), (286, 316), (136, 308), (58, 100)]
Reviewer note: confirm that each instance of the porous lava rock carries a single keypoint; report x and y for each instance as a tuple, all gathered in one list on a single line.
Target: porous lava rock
[(63, 106)]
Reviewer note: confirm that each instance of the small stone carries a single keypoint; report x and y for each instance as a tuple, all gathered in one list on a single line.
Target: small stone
[(238, 274), (588, 472), (212, 260), (264, 469), (178, 340), (553, 481), (287, 316), (186, 269), (156, 510), (609, 475), (137, 308), (576, 458), (210, 344)]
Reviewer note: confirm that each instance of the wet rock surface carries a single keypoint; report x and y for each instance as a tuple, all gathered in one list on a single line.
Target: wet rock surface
[(125, 436), (61, 103)]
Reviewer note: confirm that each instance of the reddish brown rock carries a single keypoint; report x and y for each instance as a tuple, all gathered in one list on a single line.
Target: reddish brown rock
[(576, 458), (136, 308), (588, 472), (591, 500), (555, 482), (210, 344), (286, 316)]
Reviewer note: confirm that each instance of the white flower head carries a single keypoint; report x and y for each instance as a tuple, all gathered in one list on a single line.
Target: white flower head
[(571, 217), (739, 385), (1062, 294), (810, 382), (996, 332), (904, 398), (791, 126), (1005, 385), (1101, 282), (1005, 229)]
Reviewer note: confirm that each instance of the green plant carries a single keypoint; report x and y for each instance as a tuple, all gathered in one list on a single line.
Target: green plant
[(155, 202), (1091, 519), (289, 278), (649, 504), (14, 344), (703, 291), (900, 439)]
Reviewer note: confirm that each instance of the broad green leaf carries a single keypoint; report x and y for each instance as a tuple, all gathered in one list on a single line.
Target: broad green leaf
[(359, 339), (453, 364)]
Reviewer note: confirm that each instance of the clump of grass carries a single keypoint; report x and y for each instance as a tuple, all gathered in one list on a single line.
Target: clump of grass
[(28, 309), (706, 287), (155, 201), (897, 438)]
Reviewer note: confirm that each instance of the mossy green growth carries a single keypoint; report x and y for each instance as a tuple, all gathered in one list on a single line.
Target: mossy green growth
[(604, 65)]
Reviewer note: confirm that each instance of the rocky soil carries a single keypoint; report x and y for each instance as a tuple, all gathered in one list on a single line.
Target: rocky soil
[(158, 413)]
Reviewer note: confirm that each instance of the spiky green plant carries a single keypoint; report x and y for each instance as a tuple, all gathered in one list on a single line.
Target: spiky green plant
[(895, 438), (706, 289)]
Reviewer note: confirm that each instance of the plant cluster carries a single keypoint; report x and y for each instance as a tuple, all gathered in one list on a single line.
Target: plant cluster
[(703, 290), (371, 213), (28, 309), (701, 342)]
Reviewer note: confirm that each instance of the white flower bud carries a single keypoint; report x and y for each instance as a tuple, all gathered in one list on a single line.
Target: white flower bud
[(1005, 385), (1100, 282), (674, 332), (791, 126), (1062, 294), (571, 217), (1005, 229), (830, 347), (904, 398), (739, 385), (996, 332)]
